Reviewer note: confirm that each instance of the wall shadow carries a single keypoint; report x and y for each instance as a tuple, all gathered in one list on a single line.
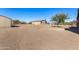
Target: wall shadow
[(73, 29)]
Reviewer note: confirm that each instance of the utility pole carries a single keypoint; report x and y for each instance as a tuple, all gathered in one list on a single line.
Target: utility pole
[(78, 20)]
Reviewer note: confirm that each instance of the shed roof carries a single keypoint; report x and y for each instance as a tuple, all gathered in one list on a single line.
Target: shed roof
[(5, 17)]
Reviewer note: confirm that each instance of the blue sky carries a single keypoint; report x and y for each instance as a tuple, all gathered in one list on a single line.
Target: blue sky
[(31, 14)]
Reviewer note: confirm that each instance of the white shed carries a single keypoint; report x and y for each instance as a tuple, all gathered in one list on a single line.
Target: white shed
[(5, 21), (36, 23)]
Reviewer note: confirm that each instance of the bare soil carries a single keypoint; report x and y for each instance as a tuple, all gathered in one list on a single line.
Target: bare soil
[(41, 37)]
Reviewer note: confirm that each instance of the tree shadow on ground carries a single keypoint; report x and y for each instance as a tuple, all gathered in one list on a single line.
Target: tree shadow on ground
[(15, 26), (73, 29)]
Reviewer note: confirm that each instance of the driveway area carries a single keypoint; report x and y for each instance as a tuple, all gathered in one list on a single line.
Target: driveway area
[(42, 37)]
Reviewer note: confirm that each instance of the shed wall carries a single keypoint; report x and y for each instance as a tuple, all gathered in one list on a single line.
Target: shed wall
[(5, 22)]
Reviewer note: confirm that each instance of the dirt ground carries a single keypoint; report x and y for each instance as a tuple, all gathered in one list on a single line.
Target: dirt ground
[(43, 37)]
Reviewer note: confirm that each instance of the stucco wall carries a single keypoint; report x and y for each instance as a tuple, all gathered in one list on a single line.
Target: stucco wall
[(5, 22)]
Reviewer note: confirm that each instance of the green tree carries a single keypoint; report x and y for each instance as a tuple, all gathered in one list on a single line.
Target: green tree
[(19, 22), (60, 18)]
